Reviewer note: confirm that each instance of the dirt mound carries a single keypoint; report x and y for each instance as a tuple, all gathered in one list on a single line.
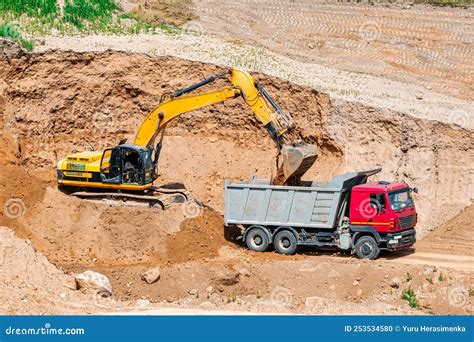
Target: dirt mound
[(453, 237), (29, 280), (199, 238), (75, 232)]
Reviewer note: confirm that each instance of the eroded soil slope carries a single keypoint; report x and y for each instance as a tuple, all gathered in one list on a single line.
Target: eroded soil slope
[(59, 102)]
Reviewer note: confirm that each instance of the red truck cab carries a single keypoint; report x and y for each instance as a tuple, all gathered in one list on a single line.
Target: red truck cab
[(384, 211)]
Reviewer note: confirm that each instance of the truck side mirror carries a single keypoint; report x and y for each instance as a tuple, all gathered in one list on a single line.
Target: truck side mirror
[(415, 190)]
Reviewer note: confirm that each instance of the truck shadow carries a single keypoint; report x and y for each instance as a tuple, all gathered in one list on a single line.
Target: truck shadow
[(386, 255), (233, 234)]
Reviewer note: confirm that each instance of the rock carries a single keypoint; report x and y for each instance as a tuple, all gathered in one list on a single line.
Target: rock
[(395, 283), (95, 281), (359, 278), (230, 280), (311, 45), (10, 50), (419, 96), (359, 292), (209, 289), (193, 292), (244, 272), (355, 283), (143, 303), (70, 283), (151, 276)]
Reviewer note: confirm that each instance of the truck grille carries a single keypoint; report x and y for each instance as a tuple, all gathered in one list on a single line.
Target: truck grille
[(406, 222)]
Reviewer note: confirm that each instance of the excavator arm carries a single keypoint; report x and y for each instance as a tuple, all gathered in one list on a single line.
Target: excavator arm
[(297, 157), (243, 85)]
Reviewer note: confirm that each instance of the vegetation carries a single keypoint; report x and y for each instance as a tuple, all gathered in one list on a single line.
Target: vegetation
[(453, 3), (23, 19), (33, 8), (410, 297), (78, 12), (8, 31)]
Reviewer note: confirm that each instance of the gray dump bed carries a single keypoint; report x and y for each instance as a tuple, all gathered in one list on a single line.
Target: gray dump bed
[(318, 205)]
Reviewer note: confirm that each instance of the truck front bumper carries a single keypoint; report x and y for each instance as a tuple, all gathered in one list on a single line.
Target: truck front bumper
[(401, 240)]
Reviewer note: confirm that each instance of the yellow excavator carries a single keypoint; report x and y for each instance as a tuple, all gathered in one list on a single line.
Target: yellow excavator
[(129, 170)]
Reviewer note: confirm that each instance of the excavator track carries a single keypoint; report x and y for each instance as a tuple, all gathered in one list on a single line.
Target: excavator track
[(163, 197)]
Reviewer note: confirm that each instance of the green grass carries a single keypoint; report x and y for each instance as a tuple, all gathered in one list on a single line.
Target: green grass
[(453, 3), (8, 31), (410, 297), (79, 12), (22, 20), (33, 8)]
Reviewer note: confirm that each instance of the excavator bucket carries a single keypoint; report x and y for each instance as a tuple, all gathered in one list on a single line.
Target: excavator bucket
[(296, 160)]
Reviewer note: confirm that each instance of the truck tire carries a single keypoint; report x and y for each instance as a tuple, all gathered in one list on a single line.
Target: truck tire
[(257, 240), (366, 248), (285, 242)]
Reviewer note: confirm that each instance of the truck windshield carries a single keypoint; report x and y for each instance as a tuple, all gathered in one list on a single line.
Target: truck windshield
[(400, 199)]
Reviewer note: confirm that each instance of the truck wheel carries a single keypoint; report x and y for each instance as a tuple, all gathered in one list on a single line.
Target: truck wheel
[(366, 248), (285, 242), (257, 240)]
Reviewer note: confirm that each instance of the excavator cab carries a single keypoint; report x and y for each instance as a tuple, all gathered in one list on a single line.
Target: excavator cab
[(127, 164)]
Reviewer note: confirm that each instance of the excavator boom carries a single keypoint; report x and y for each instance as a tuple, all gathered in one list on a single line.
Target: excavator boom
[(296, 159)]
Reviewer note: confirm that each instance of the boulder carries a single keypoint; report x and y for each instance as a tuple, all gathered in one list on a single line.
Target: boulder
[(395, 283), (94, 281), (152, 275)]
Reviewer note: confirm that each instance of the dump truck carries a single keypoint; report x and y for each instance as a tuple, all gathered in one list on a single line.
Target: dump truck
[(347, 213)]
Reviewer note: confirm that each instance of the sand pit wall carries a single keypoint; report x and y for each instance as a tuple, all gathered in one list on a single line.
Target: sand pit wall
[(56, 102)]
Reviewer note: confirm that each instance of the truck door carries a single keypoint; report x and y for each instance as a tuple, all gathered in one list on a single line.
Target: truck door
[(371, 209), (110, 166)]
